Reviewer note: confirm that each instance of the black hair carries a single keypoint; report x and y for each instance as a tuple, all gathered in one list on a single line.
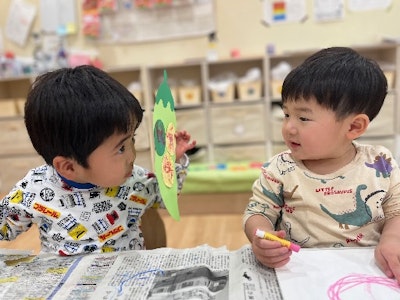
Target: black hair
[(70, 111), (340, 79)]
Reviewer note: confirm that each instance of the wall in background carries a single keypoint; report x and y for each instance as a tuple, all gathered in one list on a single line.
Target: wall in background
[(239, 26)]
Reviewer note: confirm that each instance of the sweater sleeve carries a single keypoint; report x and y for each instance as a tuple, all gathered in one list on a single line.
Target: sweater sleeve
[(14, 218), (181, 171), (267, 199), (391, 205)]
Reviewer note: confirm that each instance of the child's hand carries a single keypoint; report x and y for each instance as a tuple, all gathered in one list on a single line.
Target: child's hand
[(271, 253), (387, 252), (183, 143), (387, 256)]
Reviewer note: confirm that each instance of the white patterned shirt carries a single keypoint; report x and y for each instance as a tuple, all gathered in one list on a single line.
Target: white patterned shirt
[(75, 220)]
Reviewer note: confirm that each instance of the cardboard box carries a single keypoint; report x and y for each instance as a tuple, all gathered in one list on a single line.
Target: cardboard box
[(189, 95), (20, 103), (8, 108), (226, 95), (250, 90), (276, 88)]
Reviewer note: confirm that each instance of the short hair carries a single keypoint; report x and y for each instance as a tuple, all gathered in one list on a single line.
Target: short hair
[(340, 79), (70, 111)]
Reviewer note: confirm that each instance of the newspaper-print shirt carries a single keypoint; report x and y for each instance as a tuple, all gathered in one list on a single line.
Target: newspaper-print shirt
[(80, 220), (347, 208)]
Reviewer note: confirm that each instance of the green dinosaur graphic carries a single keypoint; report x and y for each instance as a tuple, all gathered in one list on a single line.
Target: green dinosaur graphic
[(360, 216)]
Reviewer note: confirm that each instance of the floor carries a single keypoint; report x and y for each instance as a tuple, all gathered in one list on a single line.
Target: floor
[(213, 229)]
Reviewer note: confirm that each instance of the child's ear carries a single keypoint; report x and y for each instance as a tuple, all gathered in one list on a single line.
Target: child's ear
[(358, 126), (65, 166)]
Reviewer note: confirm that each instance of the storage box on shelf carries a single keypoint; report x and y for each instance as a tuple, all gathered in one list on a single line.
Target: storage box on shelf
[(189, 95), (8, 107), (15, 87), (189, 92), (233, 74), (224, 93), (249, 90)]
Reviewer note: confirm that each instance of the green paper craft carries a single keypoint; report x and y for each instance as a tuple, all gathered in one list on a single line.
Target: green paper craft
[(164, 127)]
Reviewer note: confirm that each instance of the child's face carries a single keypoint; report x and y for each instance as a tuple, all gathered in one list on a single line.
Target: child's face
[(312, 132), (111, 163)]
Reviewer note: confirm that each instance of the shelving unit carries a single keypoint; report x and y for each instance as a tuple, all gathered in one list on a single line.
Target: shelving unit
[(237, 127), (224, 129), (228, 127)]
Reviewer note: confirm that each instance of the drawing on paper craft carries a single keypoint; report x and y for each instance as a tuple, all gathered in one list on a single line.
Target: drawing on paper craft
[(364, 285)]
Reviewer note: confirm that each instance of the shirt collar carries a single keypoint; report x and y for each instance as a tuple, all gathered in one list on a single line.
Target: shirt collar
[(77, 184)]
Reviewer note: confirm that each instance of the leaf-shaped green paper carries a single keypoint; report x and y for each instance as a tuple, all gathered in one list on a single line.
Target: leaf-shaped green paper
[(164, 124)]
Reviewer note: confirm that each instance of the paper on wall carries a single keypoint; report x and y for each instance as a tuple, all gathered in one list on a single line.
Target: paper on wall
[(328, 10), (20, 17), (363, 5), (58, 16)]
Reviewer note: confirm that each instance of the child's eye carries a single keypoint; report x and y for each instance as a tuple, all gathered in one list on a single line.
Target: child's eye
[(122, 149), (133, 139), (304, 119)]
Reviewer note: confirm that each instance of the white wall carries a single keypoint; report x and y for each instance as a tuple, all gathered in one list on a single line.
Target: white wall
[(239, 26)]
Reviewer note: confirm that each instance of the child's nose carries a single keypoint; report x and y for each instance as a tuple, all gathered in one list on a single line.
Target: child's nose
[(289, 126)]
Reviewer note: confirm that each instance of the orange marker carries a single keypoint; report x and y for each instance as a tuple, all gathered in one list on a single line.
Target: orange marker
[(268, 236)]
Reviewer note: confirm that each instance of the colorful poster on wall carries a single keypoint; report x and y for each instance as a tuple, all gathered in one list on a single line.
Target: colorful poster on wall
[(164, 127), (284, 11)]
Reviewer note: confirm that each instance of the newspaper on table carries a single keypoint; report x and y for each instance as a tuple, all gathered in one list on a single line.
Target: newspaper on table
[(203, 272)]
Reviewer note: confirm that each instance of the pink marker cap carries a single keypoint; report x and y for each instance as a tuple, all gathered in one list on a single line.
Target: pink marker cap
[(294, 247)]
